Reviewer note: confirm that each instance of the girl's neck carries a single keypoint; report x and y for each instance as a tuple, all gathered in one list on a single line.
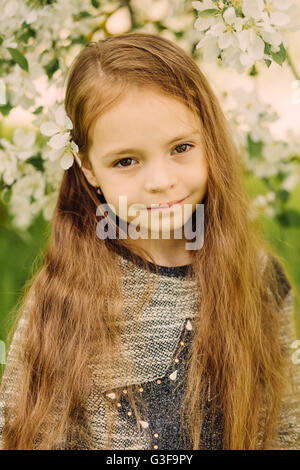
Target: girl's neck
[(165, 252)]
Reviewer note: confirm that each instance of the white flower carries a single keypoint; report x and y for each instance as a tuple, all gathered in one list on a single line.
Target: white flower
[(61, 144), (232, 25), (291, 181), (15, 153), (204, 22), (211, 50), (31, 17), (61, 126), (231, 56), (53, 173), (253, 9), (252, 46), (27, 197), (8, 165), (204, 5), (259, 201), (244, 27), (21, 84), (32, 184), (251, 114), (270, 196), (260, 205), (24, 142)]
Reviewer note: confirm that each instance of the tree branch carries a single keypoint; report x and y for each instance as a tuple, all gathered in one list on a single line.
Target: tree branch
[(290, 63)]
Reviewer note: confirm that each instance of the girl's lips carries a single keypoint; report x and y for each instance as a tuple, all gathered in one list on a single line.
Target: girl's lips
[(166, 207)]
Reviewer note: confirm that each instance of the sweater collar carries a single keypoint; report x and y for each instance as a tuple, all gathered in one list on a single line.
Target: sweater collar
[(129, 258)]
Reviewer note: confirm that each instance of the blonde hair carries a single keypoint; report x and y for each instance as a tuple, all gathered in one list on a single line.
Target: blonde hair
[(77, 294)]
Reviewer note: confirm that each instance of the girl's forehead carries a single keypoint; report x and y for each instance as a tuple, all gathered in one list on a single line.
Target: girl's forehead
[(142, 109)]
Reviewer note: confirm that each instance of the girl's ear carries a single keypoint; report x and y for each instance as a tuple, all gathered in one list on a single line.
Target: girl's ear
[(88, 173)]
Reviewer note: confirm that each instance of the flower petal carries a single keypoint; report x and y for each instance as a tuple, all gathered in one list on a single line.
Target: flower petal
[(55, 154), (229, 15), (217, 29), (256, 48), (58, 141), (49, 128), (279, 19), (67, 161), (24, 139), (253, 8), (74, 146), (225, 40), (62, 119), (246, 59), (244, 39)]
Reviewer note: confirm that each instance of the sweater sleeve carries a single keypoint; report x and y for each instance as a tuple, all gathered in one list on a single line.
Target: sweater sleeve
[(288, 429)]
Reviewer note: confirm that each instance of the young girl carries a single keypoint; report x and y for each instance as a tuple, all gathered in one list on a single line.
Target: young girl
[(141, 343)]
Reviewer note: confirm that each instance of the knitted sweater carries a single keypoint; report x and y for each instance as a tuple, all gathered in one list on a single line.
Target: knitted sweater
[(162, 341)]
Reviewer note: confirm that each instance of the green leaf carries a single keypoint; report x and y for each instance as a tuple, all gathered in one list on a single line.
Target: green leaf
[(283, 195), (282, 219), (209, 12), (36, 161), (51, 67), (80, 40), (294, 217), (267, 49), (95, 3), (289, 218), (254, 148), (280, 177), (253, 71), (5, 109), (30, 33), (82, 14), (268, 62), (279, 56), (19, 58), (38, 110), (5, 194)]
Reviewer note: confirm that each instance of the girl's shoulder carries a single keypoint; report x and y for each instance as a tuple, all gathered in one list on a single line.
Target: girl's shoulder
[(283, 285)]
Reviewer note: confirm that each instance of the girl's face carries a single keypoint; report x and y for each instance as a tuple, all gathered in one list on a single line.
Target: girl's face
[(148, 148)]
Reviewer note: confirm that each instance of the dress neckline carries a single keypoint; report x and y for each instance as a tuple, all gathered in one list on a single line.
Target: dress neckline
[(172, 271)]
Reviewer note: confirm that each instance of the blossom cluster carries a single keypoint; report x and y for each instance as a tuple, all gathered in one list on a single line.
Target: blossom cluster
[(270, 159), (243, 32)]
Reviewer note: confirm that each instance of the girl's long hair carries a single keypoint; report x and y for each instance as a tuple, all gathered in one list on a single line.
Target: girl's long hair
[(76, 296)]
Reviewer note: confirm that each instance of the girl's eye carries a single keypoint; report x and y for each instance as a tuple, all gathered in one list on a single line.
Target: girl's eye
[(122, 160), (181, 145), (129, 158)]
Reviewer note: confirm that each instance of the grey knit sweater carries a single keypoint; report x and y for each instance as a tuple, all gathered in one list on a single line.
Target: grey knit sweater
[(162, 341)]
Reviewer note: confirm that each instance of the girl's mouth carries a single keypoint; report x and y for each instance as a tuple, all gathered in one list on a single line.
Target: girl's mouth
[(164, 206)]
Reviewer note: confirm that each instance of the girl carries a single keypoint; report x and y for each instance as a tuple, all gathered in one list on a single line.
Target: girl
[(140, 343)]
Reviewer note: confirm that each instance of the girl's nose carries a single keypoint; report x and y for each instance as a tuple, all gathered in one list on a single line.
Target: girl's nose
[(160, 186), (159, 179)]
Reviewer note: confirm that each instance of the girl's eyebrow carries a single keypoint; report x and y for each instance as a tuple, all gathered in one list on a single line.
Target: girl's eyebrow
[(129, 150)]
